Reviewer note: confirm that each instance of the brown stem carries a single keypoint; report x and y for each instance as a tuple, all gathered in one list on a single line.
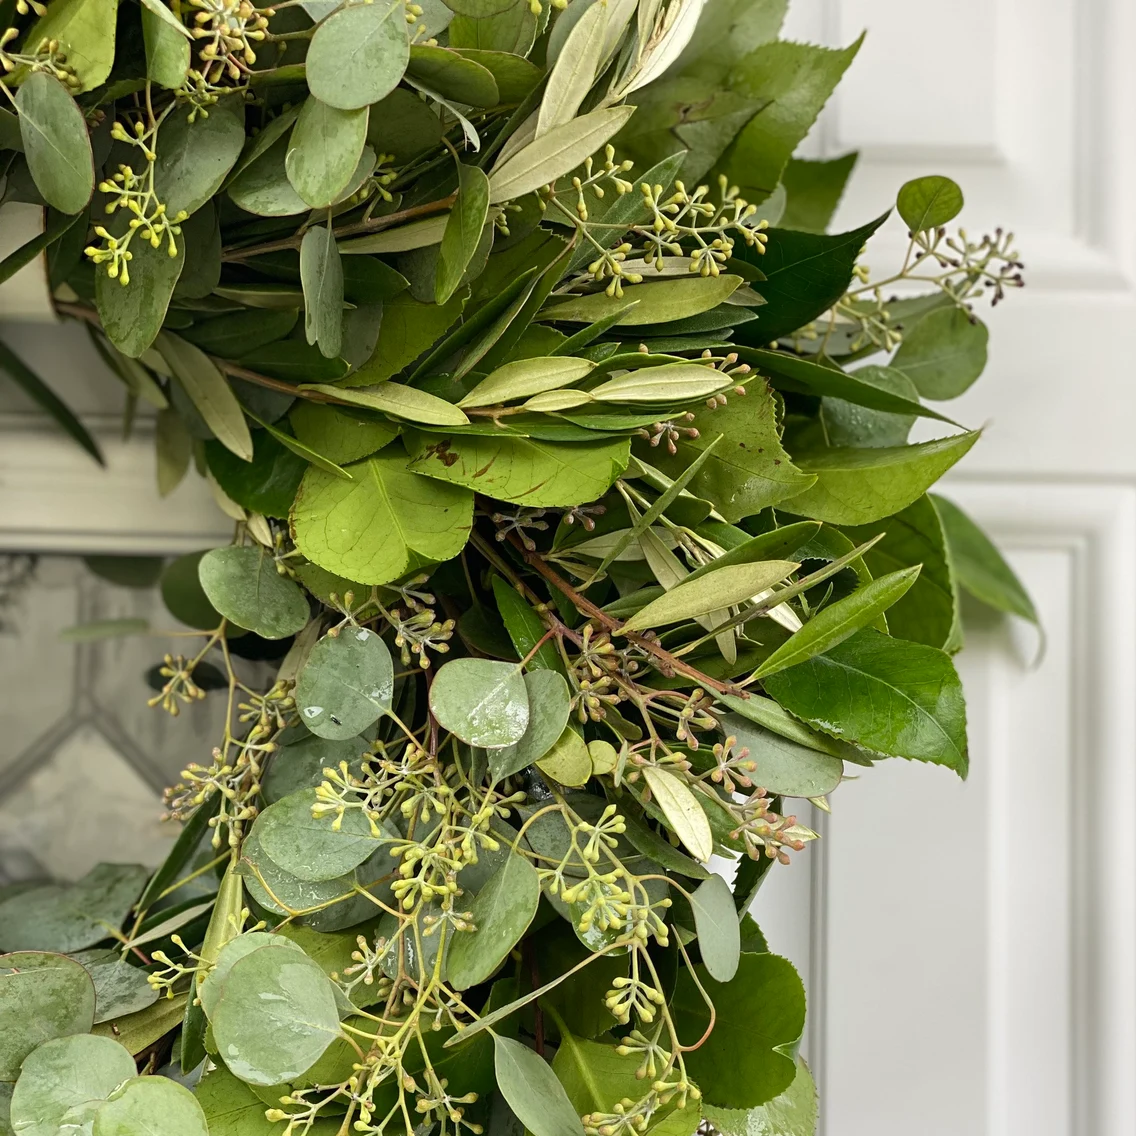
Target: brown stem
[(669, 663), (376, 224)]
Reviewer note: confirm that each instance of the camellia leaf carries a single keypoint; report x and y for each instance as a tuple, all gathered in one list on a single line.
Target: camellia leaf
[(943, 353), (785, 767), (660, 301), (560, 150), (387, 520), (42, 996), (527, 377), (76, 1072), (209, 392), (683, 812), (267, 484), (716, 922), (463, 231), (791, 1113), (451, 76), (858, 486), (750, 1056), (244, 586), (981, 568), (149, 1104), (549, 707), (522, 470), (718, 589), (346, 684), (532, 1090), (840, 620), (358, 54), (483, 702), (502, 911), (321, 273), (897, 698), (276, 1017), (56, 143), (325, 147), (929, 202)]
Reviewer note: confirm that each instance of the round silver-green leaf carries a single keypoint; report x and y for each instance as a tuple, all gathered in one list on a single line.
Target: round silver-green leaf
[(324, 150), (359, 54), (151, 1105), (346, 684), (481, 701), (56, 143), (550, 703), (276, 1016), (244, 586)]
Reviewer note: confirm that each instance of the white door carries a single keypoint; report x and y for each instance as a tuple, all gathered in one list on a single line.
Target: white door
[(970, 949)]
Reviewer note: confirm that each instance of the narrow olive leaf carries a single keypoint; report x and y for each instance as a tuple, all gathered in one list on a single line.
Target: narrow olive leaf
[(398, 400), (660, 301), (683, 812), (358, 54), (719, 934), (525, 628), (773, 545), (929, 202), (656, 509), (502, 911), (321, 275), (244, 586), (57, 225), (574, 71), (835, 623), (463, 231), (483, 702), (173, 451), (532, 1090), (306, 452), (405, 238), (324, 150), (560, 150), (527, 377), (56, 143), (209, 392), (721, 588), (593, 331), (37, 390), (671, 383)]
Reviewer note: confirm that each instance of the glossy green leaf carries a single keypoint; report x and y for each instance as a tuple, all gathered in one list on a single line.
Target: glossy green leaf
[(532, 1090), (502, 911), (525, 628), (209, 392), (785, 767), (336, 435), (267, 484), (527, 377), (244, 586), (69, 917), (526, 471), (463, 231), (233, 1109), (897, 698), (858, 486), (750, 1056), (483, 702), (568, 761), (813, 191), (56, 144), (67, 1077), (376, 528), (36, 389), (147, 1104), (929, 202), (236, 333), (195, 157), (321, 273), (403, 124), (42, 996), (980, 567), (325, 147), (749, 469), (683, 812), (943, 353), (718, 589), (791, 1113), (559, 151), (276, 1017), (549, 706), (346, 684), (716, 922), (840, 620), (514, 75), (358, 54), (399, 400)]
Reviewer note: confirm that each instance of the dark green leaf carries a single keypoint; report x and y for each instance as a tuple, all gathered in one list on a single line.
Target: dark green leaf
[(321, 272), (194, 157), (56, 144), (57, 225), (525, 627), (453, 76), (813, 190), (133, 309), (244, 586), (265, 485), (929, 202)]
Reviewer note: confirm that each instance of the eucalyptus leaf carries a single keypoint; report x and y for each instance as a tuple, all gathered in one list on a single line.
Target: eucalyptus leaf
[(549, 707), (195, 157), (943, 353), (929, 202), (534, 1094), (346, 684), (55, 142), (483, 702), (358, 54), (325, 147), (149, 1102), (568, 761), (716, 922), (245, 587)]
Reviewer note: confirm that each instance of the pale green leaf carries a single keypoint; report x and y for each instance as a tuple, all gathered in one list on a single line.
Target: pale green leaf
[(574, 71), (683, 812), (673, 383), (659, 301), (527, 377), (325, 148), (943, 353), (532, 1090), (463, 231), (85, 30), (400, 401), (716, 922), (151, 1104), (358, 54), (568, 761), (482, 701), (549, 707), (403, 238), (784, 767)]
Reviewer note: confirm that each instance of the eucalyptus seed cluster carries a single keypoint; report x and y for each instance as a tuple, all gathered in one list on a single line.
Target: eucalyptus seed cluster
[(48, 57)]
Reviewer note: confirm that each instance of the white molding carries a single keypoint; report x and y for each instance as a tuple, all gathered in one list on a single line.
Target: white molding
[(24, 296)]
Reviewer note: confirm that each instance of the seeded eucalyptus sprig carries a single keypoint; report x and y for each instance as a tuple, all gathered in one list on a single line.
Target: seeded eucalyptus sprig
[(575, 544)]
